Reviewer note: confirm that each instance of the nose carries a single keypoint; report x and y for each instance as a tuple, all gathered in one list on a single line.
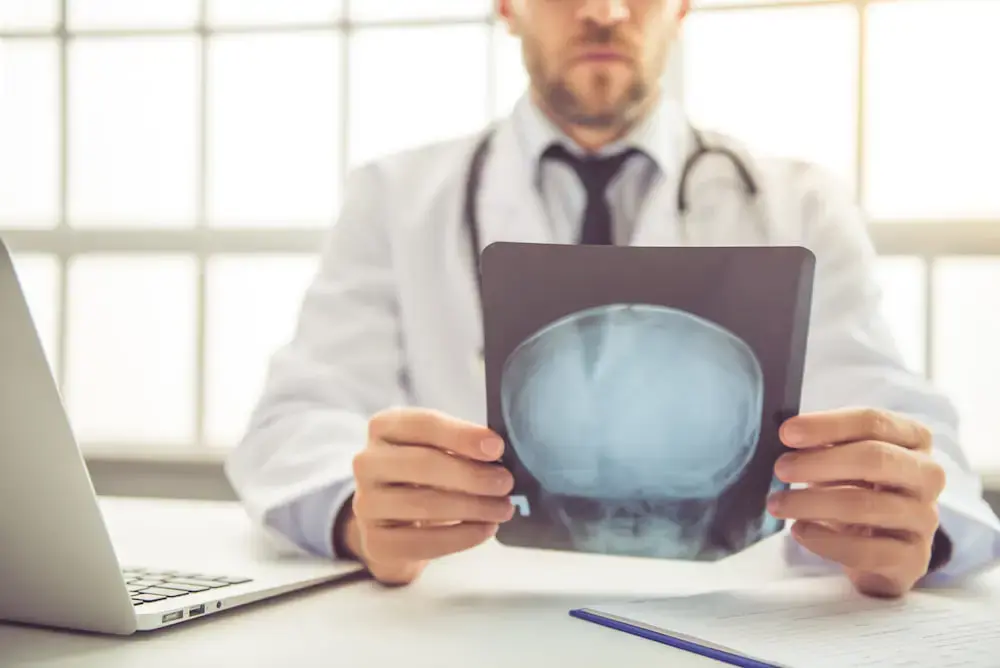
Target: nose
[(604, 12)]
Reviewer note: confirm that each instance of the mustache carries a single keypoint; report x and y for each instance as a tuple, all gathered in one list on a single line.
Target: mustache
[(595, 35)]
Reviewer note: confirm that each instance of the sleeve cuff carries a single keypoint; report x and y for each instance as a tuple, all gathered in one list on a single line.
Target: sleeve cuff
[(340, 503), (963, 547), (968, 546), (308, 521)]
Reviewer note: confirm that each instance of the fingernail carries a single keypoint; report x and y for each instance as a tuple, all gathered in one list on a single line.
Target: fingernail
[(492, 447), (784, 464), (791, 435), (774, 502), (503, 483)]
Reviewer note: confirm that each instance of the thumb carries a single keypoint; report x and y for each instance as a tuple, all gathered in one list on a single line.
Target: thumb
[(396, 573)]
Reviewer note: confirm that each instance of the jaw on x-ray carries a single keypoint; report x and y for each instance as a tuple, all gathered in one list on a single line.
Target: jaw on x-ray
[(634, 419)]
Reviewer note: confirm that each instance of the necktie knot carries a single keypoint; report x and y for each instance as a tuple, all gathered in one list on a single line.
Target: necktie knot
[(596, 173)]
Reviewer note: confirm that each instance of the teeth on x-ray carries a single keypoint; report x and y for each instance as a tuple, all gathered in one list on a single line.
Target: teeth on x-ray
[(636, 408)]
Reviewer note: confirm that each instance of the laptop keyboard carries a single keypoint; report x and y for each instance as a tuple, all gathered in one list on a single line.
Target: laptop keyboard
[(149, 586)]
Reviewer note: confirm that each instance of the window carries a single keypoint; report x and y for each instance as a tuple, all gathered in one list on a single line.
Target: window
[(910, 127), (145, 180)]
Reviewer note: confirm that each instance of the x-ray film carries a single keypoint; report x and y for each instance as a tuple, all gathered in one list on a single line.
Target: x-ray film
[(640, 391)]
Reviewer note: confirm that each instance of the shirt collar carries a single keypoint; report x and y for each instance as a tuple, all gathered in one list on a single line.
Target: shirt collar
[(657, 135)]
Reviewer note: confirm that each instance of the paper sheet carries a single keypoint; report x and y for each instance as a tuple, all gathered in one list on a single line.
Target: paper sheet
[(823, 623)]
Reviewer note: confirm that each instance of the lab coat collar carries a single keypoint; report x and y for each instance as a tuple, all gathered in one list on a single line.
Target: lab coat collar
[(659, 135), (510, 207)]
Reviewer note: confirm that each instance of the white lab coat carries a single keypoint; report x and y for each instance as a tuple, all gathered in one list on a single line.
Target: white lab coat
[(393, 317)]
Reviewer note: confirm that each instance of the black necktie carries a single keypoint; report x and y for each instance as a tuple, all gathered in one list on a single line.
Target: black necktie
[(595, 173)]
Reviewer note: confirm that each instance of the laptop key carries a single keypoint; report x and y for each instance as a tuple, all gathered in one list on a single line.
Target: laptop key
[(182, 587), (209, 584), (233, 581), (171, 593), (145, 583), (136, 602), (147, 597)]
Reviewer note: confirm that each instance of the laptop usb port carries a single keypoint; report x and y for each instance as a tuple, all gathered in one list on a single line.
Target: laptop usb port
[(197, 610), (173, 616)]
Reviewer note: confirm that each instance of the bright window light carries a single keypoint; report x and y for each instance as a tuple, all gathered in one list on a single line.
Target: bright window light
[(130, 374), (783, 80), (38, 276), (29, 133), (933, 112), (273, 130), (396, 103), (133, 118), (170, 168), (252, 308), (272, 12), (967, 358)]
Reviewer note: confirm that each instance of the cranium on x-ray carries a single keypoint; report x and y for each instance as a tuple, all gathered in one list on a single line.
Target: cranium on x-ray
[(634, 419)]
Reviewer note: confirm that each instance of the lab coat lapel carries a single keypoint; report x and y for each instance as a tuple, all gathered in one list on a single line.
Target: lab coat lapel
[(657, 222), (719, 212), (509, 206)]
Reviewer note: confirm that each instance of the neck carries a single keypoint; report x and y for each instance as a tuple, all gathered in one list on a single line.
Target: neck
[(593, 138)]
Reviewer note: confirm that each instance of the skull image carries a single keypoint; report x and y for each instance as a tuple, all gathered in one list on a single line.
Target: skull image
[(633, 419)]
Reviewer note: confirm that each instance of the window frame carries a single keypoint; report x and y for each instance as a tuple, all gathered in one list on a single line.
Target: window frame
[(927, 240)]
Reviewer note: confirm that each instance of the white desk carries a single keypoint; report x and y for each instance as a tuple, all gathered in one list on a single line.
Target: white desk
[(492, 606)]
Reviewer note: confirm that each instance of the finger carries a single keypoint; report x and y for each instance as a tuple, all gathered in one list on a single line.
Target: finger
[(412, 426), (413, 504), (871, 462), (409, 543), (429, 467), (869, 554), (858, 506), (811, 430)]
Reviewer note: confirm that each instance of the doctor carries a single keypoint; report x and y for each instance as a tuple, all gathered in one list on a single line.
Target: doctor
[(392, 319)]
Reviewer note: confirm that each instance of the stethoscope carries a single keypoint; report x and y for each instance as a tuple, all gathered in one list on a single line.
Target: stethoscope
[(702, 150)]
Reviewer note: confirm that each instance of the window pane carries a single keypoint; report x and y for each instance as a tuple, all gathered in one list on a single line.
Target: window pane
[(698, 4), (271, 12), (437, 91), (967, 358), (904, 305), (87, 14), (252, 307), (28, 14), (509, 73), (29, 133), (782, 80), (401, 10), (933, 107), (133, 121), (39, 279), (274, 129), (131, 353)]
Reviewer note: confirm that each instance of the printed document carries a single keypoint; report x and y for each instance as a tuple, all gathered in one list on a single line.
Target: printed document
[(824, 623)]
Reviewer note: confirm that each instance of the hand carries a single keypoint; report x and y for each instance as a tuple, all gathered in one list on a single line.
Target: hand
[(871, 498), (425, 488)]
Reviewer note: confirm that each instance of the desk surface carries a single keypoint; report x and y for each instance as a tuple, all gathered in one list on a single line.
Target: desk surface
[(491, 606)]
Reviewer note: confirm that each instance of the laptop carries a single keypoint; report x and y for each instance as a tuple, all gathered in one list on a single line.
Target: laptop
[(59, 566)]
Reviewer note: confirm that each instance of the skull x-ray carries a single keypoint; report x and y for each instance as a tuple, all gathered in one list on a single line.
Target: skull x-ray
[(640, 391), (634, 419)]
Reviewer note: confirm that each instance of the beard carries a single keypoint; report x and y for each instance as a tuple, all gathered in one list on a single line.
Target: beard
[(593, 103)]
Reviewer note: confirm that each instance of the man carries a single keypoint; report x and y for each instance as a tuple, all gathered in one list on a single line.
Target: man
[(885, 494)]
